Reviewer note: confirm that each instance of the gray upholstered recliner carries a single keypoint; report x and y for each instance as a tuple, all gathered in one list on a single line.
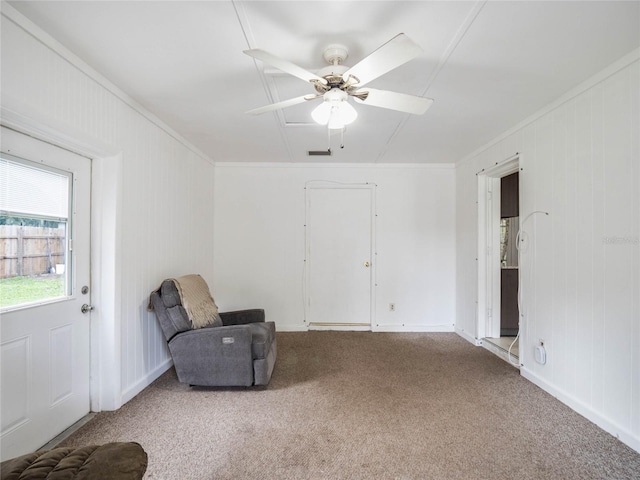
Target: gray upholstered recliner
[(241, 352)]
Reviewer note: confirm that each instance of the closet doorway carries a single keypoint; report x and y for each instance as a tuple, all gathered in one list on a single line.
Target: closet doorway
[(498, 312)]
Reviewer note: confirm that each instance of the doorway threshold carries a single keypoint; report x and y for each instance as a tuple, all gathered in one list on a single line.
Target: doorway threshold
[(61, 437), (354, 327), (500, 347)]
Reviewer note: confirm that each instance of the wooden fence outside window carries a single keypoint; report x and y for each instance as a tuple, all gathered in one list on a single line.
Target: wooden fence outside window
[(31, 250)]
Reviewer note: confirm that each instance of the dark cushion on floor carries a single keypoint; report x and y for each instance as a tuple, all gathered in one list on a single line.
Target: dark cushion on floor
[(112, 461)]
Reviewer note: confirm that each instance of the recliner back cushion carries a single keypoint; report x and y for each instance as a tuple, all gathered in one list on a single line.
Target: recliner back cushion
[(171, 298), (169, 293), (172, 320), (172, 316), (179, 320)]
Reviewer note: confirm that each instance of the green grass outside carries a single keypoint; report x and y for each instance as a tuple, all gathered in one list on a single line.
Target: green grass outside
[(19, 290)]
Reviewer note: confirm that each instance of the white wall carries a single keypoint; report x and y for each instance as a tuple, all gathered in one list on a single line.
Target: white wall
[(260, 244), (581, 163), (165, 200)]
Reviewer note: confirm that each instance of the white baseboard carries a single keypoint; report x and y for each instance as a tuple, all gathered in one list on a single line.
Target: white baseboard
[(413, 328), (291, 328), (622, 434), (376, 328), (339, 328), (145, 381), (468, 337)]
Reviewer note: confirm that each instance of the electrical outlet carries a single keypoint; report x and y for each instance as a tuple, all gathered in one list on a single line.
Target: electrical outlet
[(392, 307)]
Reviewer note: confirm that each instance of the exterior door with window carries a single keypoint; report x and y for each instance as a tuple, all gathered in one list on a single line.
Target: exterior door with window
[(339, 257), (44, 267)]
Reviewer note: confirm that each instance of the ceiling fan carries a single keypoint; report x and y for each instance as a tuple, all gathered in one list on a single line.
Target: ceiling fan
[(336, 82)]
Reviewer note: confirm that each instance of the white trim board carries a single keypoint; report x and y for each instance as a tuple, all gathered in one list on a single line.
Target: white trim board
[(291, 328), (381, 328), (145, 381), (29, 121), (488, 250), (445, 328), (419, 166), (622, 434), (468, 337), (339, 328)]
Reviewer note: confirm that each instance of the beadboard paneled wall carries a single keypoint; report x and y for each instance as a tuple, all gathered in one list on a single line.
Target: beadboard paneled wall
[(166, 221), (260, 240), (581, 163)]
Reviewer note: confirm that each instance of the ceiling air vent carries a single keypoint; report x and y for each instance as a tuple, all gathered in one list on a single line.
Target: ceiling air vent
[(319, 153)]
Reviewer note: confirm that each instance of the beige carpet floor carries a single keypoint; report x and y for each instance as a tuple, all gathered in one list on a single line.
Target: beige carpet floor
[(360, 405)]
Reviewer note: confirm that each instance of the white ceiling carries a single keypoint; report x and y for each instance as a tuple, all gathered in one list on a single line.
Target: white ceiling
[(487, 65)]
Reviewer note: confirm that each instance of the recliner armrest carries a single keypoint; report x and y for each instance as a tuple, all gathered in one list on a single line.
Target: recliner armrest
[(242, 317)]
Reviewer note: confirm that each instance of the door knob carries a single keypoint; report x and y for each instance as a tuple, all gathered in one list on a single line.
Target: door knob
[(366, 264), (86, 308)]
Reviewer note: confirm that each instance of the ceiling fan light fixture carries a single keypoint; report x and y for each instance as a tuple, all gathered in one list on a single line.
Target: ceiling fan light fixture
[(335, 122), (334, 110), (341, 115), (321, 113)]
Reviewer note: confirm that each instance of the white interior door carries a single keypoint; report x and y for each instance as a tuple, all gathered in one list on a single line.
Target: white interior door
[(44, 337), (339, 257)]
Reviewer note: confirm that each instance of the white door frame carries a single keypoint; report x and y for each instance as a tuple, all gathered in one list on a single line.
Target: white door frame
[(320, 184), (106, 195), (488, 313)]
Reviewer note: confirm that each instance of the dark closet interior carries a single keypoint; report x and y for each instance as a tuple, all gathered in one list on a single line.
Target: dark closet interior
[(509, 225)]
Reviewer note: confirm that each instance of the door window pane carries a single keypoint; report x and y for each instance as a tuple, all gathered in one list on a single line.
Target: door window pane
[(34, 224)]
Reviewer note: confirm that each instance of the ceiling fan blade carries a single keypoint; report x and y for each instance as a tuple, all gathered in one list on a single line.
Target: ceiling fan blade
[(284, 65), (283, 104), (394, 101), (397, 51)]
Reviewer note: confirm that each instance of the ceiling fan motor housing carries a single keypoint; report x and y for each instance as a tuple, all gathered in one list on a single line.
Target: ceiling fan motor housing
[(335, 54)]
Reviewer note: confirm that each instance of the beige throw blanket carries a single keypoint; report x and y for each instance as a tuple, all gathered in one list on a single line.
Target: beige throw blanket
[(197, 301)]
